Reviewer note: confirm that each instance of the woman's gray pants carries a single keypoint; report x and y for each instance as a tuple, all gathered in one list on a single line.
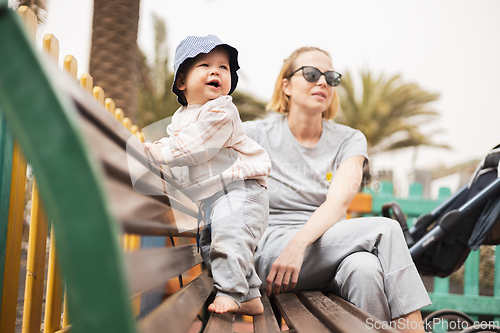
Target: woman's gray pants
[(364, 260), (237, 221)]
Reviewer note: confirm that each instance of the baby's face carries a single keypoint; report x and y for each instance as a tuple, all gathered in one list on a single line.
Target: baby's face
[(207, 78)]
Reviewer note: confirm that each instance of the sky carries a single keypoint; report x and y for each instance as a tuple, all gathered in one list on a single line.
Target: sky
[(449, 47)]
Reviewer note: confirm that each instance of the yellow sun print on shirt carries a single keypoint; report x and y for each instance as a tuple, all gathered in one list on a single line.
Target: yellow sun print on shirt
[(329, 176)]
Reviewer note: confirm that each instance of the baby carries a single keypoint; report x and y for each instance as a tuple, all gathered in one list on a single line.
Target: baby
[(216, 163)]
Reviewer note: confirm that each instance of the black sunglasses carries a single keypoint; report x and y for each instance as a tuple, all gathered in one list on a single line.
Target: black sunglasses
[(312, 74)]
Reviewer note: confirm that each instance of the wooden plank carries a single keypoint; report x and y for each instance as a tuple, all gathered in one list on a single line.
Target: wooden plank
[(266, 322), (149, 268), (119, 163), (297, 316), (220, 323), (128, 207), (362, 203), (153, 228), (342, 316), (112, 152), (177, 313), (115, 131)]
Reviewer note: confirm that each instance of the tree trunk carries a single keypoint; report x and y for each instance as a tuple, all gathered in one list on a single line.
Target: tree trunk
[(114, 52)]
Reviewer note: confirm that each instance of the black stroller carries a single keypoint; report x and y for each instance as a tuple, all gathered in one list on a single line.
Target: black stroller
[(440, 241)]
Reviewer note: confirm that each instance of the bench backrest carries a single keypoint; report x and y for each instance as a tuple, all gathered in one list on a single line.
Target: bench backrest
[(88, 192)]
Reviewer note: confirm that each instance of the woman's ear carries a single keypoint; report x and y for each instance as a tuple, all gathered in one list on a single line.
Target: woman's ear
[(285, 85), (179, 83)]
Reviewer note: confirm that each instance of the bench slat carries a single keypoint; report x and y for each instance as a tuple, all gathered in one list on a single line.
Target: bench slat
[(128, 205), (297, 316), (177, 313), (266, 322), (116, 163), (143, 215), (154, 228), (353, 310), (220, 323), (336, 317), (149, 268)]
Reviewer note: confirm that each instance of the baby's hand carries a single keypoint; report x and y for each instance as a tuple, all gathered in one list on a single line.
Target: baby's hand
[(155, 150)]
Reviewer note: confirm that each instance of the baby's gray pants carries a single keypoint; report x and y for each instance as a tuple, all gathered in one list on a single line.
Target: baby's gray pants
[(363, 260), (237, 221)]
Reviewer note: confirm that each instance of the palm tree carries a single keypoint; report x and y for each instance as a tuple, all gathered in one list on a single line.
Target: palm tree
[(388, 111), (155, 97), (114, 54), (156, 100), (248, 106)]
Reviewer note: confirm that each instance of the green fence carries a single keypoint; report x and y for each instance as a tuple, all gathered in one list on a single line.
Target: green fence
[(469, 301)]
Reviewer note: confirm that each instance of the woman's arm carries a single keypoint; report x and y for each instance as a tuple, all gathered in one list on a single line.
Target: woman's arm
[(345, 184)]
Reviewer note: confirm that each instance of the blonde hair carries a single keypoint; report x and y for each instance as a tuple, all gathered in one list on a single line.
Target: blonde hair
[(280, 101)]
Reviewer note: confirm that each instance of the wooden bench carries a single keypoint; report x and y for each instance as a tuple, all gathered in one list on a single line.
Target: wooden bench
[(81, 155)]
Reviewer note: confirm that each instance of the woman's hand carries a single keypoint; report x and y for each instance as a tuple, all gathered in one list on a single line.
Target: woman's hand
[(285, 270), (155, 150)]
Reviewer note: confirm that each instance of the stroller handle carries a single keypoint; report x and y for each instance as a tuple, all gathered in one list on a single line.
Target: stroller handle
[(453, 217)]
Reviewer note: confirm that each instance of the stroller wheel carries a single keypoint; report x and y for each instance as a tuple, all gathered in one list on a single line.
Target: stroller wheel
[(450, 320), (484, 328)]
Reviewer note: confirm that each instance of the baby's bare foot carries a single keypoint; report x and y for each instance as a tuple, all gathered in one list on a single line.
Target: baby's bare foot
[(223, 304), (252, 307)]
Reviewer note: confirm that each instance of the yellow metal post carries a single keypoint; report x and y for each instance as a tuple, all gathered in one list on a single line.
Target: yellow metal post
[(86, 82), (53, 298), (109, 104), (65, 311), (29, 20), (119, 115), (50, 45), (14, 240), (53, 294), (139, 136), (134, 245), (35, 267), (98, 93), (127, 122), (70, 65), (134, 129)]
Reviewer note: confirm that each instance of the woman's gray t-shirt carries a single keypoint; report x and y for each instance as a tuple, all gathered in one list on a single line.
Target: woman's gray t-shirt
[(300, 175)]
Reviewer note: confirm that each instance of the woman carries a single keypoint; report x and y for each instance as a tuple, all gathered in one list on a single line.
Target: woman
[(317, 170)]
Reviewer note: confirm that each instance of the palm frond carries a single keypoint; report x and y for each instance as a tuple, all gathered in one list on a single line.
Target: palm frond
[(388, 111)]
